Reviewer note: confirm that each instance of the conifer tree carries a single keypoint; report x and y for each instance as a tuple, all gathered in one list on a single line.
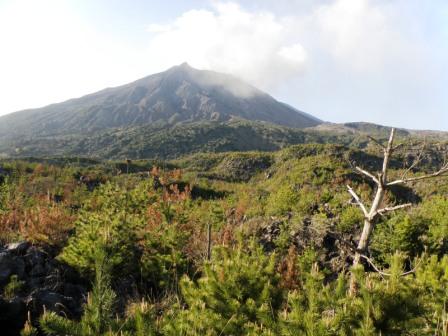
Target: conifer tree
[(98, 317), (238, 293), (98, 311), (113, 212)]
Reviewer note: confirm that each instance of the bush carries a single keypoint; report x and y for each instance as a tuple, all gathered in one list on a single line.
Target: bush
[(13, 287), (424, 228), (163, 260), (98, 318), (237, 293), (116, 214), (350, 218), (381, 307)]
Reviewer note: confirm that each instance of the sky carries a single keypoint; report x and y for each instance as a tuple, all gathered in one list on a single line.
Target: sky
[(381, 61)]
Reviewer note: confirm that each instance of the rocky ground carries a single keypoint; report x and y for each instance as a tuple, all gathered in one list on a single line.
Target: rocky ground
[(32, 280)]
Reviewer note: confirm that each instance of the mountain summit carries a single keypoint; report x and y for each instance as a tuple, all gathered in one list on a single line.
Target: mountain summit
[(180, 94)]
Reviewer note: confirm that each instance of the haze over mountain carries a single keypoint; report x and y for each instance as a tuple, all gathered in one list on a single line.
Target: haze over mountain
[(180, 94)]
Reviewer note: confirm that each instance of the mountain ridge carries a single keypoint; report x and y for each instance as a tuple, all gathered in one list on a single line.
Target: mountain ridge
[(169, 114), (179, 94)]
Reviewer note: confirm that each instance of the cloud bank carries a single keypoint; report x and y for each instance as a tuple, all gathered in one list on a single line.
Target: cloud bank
[(255, 46), (339, 59)]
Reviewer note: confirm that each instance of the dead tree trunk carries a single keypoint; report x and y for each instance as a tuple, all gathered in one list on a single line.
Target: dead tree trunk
[(382, 184)]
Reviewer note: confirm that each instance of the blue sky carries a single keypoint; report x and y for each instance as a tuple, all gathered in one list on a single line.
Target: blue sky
[(384, 61)]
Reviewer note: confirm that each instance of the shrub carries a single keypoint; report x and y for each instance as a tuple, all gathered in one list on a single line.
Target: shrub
[(42, 223), (237, 293), (163, 260), (13, 287), (116, 213), (381, 307), (349, 219)]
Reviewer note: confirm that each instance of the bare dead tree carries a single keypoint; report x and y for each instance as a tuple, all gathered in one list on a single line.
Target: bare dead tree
[(382, 184)]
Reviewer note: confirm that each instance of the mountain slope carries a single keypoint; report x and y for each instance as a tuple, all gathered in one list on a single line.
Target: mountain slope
[(149, 141), (180, 94), (173, 141)]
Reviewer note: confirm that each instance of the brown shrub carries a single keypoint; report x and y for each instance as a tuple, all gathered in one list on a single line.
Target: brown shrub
[(41, 224)]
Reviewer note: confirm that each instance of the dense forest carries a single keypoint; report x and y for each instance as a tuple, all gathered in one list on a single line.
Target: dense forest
[(235, 243)]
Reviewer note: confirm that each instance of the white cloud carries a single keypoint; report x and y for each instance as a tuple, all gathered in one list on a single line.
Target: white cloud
[(363, 34), (253, 45)]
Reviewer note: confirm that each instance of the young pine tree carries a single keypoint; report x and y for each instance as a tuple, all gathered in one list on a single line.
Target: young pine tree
[(98, 317), (237, 294)]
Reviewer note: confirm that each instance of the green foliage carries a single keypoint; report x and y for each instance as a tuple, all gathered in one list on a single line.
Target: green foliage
[(302, 184), (403, 232), (435, 213), (115, 214), (163, 261), (98, 312), (283, 200), (168, 141), (4, 194), (28, 329), (432, 278), (13, 287), (381, 307), (237, 293), (424, 228), (98, 318), (154, 231), (350, 218)]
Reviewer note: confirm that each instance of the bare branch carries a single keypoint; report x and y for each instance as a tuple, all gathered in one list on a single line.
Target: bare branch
[(383, 273), (368, 174), (374, 266), (416, 161), (397, 207), (387, 154), (440, 172), (376, 142), (358, 201), (397, 146)]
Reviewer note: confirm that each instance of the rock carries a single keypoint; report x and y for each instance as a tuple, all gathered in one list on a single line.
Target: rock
[(58, 198), (54, 282), (72, 290), (6, 268), (10, 265), (36, 283), (46, 283), (12, 317), (34, 256), (269, 234), (37, 270), (17, 248), (52, 301)]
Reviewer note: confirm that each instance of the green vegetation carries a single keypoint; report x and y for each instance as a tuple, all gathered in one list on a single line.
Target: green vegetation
[(13, 287), (280, 226), (170, 142)]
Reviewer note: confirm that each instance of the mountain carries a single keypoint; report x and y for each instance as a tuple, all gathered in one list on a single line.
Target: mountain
[(179, 95), (174, 113), (375, 130)]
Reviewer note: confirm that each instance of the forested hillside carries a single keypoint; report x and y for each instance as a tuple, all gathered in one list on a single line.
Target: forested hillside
[(170, 142), (235, 243)]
